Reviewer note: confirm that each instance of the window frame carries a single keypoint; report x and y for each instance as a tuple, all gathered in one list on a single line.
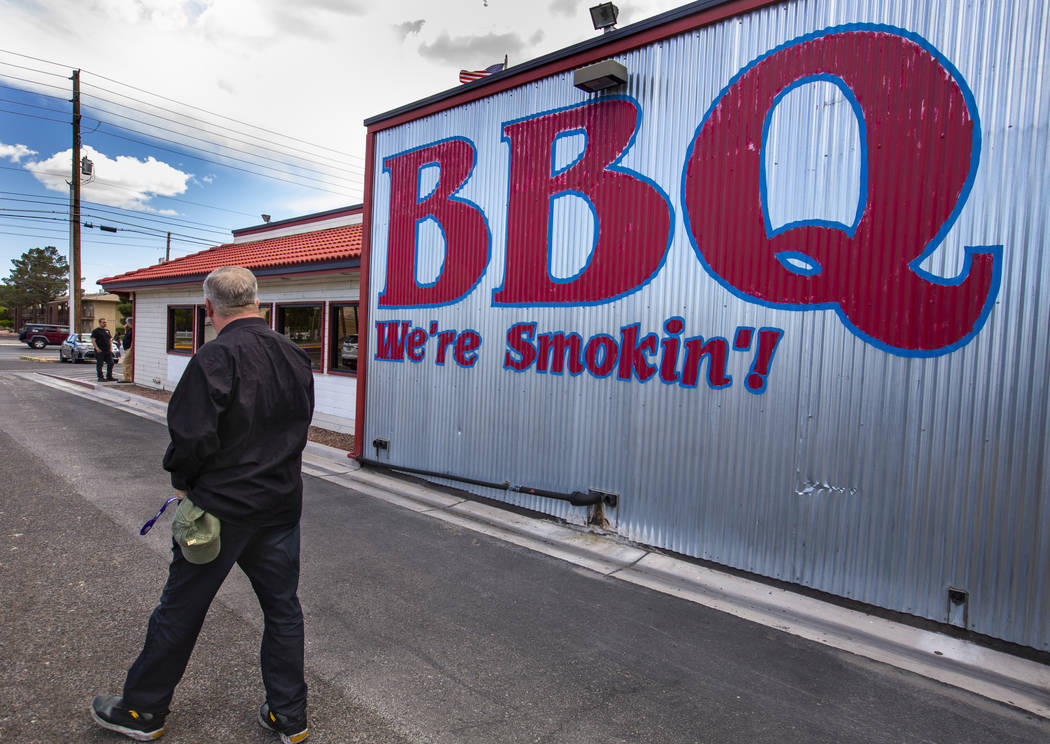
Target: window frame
[(169, 342), (273, 313), (278, 324), (334, 345)]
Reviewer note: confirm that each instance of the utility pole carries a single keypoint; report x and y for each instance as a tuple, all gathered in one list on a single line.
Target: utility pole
[(74, 217), (167, 251)]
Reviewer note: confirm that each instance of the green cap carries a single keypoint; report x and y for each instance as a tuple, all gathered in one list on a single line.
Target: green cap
[(196, 531)]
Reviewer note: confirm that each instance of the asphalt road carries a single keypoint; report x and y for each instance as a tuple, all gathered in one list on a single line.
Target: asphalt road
[(417, 631)]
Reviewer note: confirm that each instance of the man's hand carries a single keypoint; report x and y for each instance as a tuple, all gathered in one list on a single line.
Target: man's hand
[(181, 494)]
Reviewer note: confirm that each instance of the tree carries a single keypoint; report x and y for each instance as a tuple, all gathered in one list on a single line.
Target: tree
[(38, 277)]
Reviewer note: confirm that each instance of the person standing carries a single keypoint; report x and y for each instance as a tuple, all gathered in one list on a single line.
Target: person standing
[(238, 421), (103, 343), (127, 341)]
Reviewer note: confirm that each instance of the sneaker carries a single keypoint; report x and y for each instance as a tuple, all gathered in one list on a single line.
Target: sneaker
[(110, 713), (292, 730)]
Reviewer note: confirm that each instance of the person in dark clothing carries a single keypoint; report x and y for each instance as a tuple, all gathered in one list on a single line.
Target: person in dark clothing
[(129, 350), (103, 343), (238, 421)]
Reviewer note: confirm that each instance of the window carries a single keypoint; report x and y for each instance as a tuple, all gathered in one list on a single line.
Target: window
[(266, 312), (205, 330), (342, 338), (303, 324), (180, 330)]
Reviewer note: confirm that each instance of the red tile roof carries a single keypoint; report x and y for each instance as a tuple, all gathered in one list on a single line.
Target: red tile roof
[(318, 247)]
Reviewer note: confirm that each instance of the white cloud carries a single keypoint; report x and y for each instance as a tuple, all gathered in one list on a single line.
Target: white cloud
[(14, 153), (269, 19), (124, 182), (564, 7), (472, 50)]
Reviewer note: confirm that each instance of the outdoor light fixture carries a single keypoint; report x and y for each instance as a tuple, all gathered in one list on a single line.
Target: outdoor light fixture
[(604, 16), (265, 217), (606, 74)]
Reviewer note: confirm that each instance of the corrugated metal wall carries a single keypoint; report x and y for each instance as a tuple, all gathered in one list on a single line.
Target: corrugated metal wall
[(863, 469)]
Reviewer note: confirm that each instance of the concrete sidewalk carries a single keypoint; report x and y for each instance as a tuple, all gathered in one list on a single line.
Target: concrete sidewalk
[(995, 675)]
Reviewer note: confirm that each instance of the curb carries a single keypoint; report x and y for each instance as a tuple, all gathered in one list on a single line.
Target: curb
[(1003, 677)]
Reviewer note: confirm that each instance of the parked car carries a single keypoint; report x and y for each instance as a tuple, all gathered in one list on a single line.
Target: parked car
[(78, 348), (39, 335), (348, 354)]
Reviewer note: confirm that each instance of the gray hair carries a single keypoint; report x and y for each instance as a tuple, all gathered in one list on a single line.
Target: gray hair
[(231, 290)]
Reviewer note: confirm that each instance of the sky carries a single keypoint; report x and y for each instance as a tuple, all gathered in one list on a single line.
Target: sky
[(199, 116)]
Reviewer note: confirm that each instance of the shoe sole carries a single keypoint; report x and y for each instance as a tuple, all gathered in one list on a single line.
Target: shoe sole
[(128, 732), (285, 738)]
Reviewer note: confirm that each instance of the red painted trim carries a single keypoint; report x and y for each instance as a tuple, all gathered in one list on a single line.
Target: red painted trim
[(293, 222), (135, 322), (324, 337), (595, 54), (198, 278), (362, 308), (273, 313)]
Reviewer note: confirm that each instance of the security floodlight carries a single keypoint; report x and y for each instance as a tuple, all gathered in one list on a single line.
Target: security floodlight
[(604, 16), (606, 74), (265, 217)]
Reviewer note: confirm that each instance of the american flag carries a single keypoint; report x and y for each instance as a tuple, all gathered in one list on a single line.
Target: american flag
[(469, 76)]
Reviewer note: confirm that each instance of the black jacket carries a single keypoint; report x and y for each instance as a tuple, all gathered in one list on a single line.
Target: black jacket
[(238, 421)]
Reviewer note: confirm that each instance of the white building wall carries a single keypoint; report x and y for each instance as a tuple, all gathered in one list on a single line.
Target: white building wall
[(335, 394)]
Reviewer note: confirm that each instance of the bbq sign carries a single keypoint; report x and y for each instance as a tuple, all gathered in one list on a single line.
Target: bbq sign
[(920, 147)]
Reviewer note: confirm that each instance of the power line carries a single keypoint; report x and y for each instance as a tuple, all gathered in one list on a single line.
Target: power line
[(183, 153), (280, 149), (36, 59), (106, 214), (101, 207), (221, 127), (34, 82), (210, 113), (300, 173), (31, 105), (214, 162), (155, 231), (219, 154), (32, 69), (64, 236), (36, 93), (287, 152), (157, 196), (32, 116)]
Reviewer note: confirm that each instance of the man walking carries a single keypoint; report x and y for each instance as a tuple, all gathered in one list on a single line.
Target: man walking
[(103, 343), (238, 421)]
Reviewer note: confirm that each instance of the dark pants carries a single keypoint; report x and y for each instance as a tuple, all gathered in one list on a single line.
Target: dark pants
[(107, 357), (270, 559)]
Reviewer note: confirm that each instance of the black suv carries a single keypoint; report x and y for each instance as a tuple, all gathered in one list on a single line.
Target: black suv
[(39, 335)]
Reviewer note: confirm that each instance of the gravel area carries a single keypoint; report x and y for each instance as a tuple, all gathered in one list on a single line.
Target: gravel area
[(327, 437)]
